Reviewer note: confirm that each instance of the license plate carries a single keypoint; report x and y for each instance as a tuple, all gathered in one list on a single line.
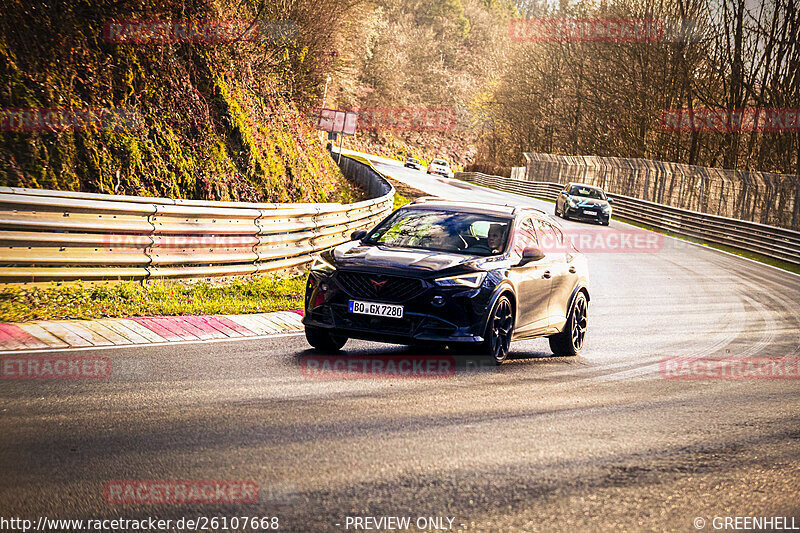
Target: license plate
[(376, 309), (589, 212)]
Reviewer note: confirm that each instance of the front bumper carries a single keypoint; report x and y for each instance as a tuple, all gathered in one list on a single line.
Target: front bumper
[(459, 318), (578, 213), (439, 173)]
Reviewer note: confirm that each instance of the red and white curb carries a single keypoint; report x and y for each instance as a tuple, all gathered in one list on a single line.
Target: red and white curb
[(60, 334)]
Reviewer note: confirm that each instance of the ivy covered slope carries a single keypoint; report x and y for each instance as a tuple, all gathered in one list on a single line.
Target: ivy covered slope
[(216, 121)]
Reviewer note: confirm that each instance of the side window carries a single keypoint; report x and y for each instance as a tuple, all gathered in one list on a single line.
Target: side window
[(551, 237), (526, 236)]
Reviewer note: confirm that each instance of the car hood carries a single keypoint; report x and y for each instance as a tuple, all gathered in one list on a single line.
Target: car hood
[(589, 202), (357, 256)]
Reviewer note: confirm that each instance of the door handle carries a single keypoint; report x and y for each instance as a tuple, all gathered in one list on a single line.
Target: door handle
[(546, 274), (572, 270)]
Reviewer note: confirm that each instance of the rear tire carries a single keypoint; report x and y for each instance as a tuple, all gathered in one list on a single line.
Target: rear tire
[(570, 341), (323, 340)]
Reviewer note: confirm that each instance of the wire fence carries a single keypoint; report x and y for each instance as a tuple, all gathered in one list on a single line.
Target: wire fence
[(763, 197)]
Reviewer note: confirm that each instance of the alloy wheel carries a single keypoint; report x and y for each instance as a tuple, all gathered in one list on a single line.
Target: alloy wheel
[(501, 330), (579, 323)]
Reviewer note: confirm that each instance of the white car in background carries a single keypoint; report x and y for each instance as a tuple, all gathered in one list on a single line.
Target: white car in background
[(440, 167)]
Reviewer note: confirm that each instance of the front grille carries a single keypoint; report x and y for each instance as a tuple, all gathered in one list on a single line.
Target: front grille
[(375, 287)]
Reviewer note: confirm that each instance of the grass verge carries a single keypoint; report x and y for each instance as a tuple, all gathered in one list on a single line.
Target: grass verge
[(78, 301), (399, 200)]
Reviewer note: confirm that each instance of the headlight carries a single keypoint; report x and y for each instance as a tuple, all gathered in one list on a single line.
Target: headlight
[(573, 203), (606, 208), (320, 265), (471, 281)]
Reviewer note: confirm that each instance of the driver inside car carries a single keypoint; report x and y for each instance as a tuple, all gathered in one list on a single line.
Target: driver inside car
[(495, 238), (493, 243)]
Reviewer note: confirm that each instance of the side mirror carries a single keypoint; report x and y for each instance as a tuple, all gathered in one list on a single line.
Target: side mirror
[(531, 254), (357, 235), (610, 200), (564, 193)]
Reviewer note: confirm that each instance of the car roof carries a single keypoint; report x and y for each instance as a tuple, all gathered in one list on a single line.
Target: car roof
[(430, 202)]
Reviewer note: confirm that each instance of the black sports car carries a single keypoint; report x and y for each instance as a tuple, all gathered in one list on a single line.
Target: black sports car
[(471, 275), (583, 202)]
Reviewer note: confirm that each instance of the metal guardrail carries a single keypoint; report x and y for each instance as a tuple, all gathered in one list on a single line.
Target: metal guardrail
[(770, 241), (66, 236)]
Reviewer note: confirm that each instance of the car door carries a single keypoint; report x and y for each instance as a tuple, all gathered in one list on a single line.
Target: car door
[(563, 276), (531, 282)]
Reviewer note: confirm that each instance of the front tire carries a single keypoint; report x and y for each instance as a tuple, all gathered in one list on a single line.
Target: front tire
[(570, 341), (497, 341), (322, 340)]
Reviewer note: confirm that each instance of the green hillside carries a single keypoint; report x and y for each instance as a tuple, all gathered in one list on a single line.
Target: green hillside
[(214, 120)]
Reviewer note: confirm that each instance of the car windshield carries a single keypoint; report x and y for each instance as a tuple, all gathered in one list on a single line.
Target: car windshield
[(443, 231), (439, 162), (587, 192)]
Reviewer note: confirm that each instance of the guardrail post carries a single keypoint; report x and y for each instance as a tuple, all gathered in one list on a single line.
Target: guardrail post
[(767, 203), (148, 251), (258, 239), (743, 198)]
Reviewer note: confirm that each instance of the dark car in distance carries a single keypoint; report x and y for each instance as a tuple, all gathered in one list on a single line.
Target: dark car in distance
[(412, 162), (583, 202), (468, 275)]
